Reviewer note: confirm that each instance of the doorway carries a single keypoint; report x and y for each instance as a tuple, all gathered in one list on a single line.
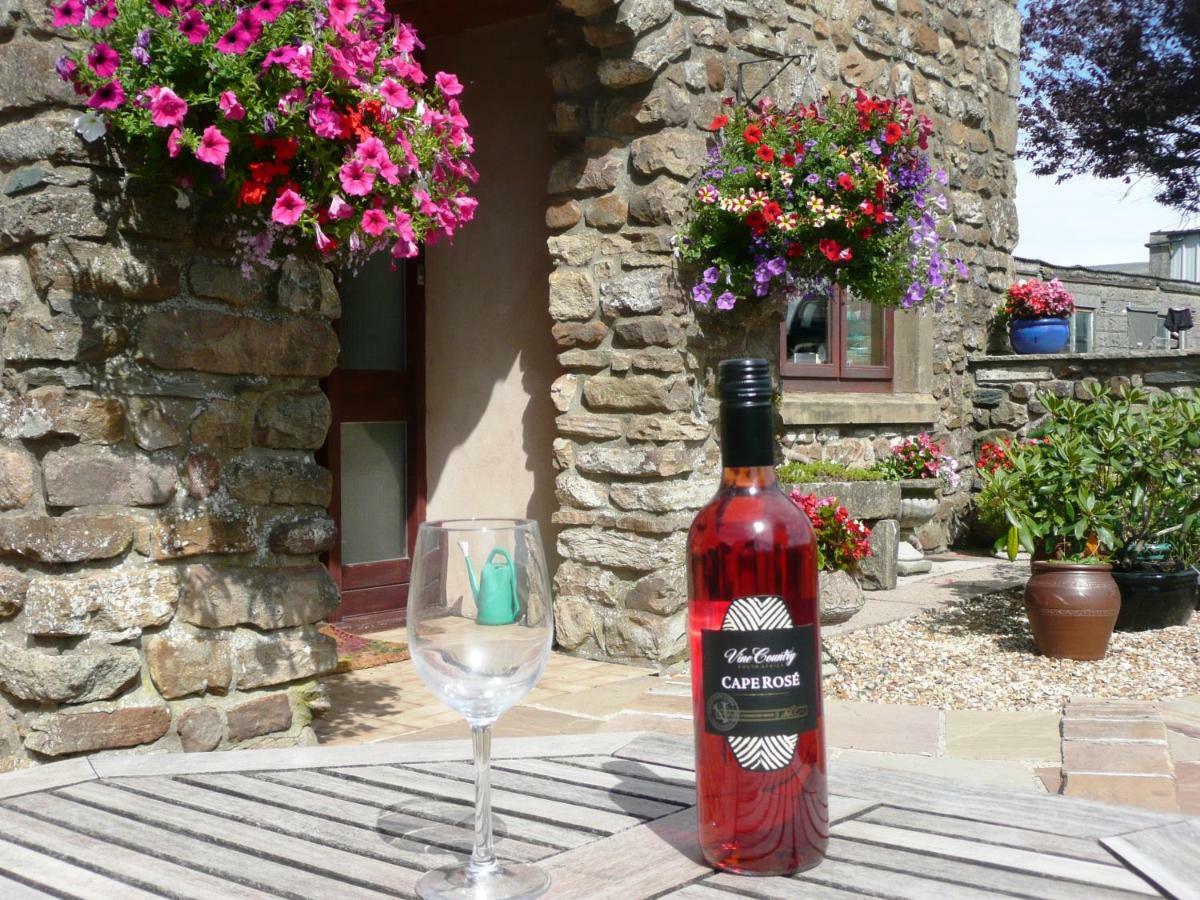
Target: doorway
[(376, 443)]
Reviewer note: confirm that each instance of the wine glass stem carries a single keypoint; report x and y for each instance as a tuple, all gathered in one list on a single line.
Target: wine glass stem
[(483, 857)]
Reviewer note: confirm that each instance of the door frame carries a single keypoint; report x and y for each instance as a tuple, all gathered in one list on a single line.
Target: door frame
[(417, 487)]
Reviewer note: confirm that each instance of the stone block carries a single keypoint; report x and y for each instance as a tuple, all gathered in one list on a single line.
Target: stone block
[(16, 286), (864, 499), (576, 334), (1146, 791), (573, 490), (308, 286), (91, 475), (278, 479), (182, 664), (126, 272), (202, 474), (645, 636), (224, 280), (650, 331), (604, 459), (224, 424), (574, 622), (677, 152), (573, 249), (639, 292), (300, 537), (194, 532), (589, 425), (18, 471), (63, 338), (200, 729), (66, 539), (841, 597), (661, 593), (115, 600), (50, 135), (81, 675), (572, 295), (19, 61), (13, 586), (292, 420), (681, 427), (662, 202), (82, 414), (585, 8), (609, 211), (663, 496), (563, 215), (596, 585), (154, 423), (988, 398), (261, 660), (1102, 757), (995, 375), (650, 53), (658, 359), (274, 597), (60, 733), (53, 212), (637, 392), (619, 550), (208, 341), (585, 174), (878, 571), (262, 715)]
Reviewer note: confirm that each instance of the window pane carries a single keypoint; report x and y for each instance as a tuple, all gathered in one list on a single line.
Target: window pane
[(373, 496), (1081, 331), (808, 330), (865, 334), (372, 330)]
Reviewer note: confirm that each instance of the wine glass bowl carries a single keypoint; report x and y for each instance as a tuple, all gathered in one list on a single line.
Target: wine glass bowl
[(480, 625)]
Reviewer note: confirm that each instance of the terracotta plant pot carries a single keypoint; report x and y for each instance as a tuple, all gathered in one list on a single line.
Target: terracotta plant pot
[(1072, 609)]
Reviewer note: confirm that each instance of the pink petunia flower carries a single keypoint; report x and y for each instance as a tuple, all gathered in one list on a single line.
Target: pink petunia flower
[(406, 39), (403, 224), (245, 31), (339, 208), (288, 208), (323, 118), (269, 10), (279, 56), (214, 147), (395, 94), (193, 27), (448, 84), (109, 95), (357, 180), (389, 171), (341, 67), (324, 242), (67, 13), (163, 7), (103, 60), (230, 106), (466, 207), (167, 109), (371, 151), (301, 65), (375, 222), (174, 142), (341, 12), (104, 15)]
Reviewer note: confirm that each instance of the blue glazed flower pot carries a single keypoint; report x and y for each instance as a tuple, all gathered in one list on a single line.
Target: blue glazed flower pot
[(1039, 335)]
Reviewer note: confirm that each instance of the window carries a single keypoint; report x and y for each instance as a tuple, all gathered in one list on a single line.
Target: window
[(1185, 257), (1082, 331), (836, 343)]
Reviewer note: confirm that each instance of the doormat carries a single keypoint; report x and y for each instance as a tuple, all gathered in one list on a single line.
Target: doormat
[(360, 651)]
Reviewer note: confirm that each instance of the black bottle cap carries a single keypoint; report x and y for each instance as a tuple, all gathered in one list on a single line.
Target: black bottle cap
[(745, 382)]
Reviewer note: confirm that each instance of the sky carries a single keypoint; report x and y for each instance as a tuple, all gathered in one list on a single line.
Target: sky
[(1088, 221)]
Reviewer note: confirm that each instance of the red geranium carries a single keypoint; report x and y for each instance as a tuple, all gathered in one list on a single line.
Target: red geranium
[(893, 133), (845, 182), (252, 193), (752, 134), (842, 541), (765, 153), (757, 221), (834, 252), (718, 123), (772, 211)]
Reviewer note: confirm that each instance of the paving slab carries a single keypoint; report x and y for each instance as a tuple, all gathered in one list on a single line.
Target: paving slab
[(1182, 715), (1003, 734), (1187, 787), (875, 726), (1096, 757), (998, 773), (1146, 791), (1076, 728), (1183, 748), (599, 702)]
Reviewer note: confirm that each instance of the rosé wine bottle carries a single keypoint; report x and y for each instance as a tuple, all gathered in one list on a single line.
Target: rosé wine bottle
[(754, 635)]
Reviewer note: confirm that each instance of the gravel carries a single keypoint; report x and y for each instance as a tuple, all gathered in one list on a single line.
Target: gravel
[(978, 653)]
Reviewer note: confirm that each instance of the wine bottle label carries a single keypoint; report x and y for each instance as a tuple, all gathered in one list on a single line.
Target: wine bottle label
[(760, 690)]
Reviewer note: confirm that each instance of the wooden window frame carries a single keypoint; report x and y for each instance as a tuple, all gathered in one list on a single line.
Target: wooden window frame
[(837, 374)]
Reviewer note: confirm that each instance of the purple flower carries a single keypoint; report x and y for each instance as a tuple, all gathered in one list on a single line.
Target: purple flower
[(269, 123), (726, 301), (143, 38), (913, 296), (140, 55), (711, 275), (942, 177), (702, 294), (961, 268), (812, 178), (874, 147), (738, 170), (761, 288), (919, 200), (777, 266)]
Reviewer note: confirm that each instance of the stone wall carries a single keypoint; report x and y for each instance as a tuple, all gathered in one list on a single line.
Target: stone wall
[(1007, 388), (1110, 296), (160, 507), (636, 82)]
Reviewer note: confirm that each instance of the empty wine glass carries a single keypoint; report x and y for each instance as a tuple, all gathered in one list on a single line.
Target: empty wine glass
[(480, 623)]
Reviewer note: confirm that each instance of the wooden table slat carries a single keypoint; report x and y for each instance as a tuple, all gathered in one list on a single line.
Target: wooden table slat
[(504, 801), (121, 821), (633, 768), (435, 809), (1168, 855), (1090, 873), (364, 815), (701, 890), (58, 875), (625, 784), (875, 882), (15, 890), (1021, 884), (573, 792), (779, 888), (661, 750), (119, 862)]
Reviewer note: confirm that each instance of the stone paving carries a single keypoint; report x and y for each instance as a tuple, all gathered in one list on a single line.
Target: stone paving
[(1016, 750)]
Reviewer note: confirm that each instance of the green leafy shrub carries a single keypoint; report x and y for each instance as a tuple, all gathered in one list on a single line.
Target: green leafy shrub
[(808, 473)]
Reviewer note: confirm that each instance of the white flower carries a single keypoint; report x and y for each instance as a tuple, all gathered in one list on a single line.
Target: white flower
[(181, 199), (90, 126)]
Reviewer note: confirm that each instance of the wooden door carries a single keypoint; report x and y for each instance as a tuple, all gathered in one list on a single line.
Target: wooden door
[(376, 445)]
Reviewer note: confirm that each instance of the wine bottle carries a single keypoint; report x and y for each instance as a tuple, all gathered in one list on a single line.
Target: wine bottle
[(754, 636)]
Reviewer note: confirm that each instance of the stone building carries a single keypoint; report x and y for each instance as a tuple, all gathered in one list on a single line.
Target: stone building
[(194, 467)]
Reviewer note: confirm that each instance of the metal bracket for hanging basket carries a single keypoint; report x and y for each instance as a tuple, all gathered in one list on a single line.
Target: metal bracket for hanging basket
[(771, 58)]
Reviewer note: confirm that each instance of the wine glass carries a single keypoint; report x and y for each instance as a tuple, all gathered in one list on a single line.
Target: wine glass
[(480, 623)]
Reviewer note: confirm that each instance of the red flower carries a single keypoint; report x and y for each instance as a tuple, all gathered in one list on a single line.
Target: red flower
[(834, 252), (892, 133), (252, 193), (789, 160), (845, 182), (765, 153), (285, 148), (794, 250), (752, 134), (758, 222), (772, 211), (718, 123)]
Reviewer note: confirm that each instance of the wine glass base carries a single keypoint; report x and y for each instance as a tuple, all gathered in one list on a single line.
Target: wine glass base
[(504, 881)]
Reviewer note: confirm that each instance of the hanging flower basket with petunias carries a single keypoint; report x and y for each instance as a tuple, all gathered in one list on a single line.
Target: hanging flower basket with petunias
[(838, 192), (313, 120)]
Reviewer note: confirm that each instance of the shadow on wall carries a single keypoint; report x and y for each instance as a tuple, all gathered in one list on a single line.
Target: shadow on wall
[(490, 357)]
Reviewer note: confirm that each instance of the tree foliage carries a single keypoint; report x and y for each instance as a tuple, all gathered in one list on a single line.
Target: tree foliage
[(1111, 88)]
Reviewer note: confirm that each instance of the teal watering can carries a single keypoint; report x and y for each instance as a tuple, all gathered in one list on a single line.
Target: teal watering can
[(495, 590)]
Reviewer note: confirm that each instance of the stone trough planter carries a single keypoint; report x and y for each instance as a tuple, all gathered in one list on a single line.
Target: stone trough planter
[(841, 597)]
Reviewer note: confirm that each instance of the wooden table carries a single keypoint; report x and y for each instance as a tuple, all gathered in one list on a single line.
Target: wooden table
[(609, 815)]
